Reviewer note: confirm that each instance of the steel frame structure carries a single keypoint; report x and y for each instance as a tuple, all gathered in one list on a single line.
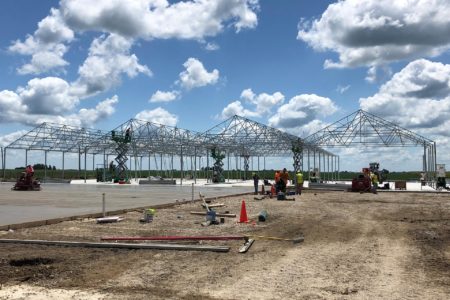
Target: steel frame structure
[(237, 136), (363, 128)]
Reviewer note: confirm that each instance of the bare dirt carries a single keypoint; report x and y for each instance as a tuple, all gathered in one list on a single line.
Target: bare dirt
[(356, 246)]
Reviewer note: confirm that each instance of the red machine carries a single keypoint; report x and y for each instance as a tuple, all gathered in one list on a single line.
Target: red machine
[(361, 184), (26, 182)]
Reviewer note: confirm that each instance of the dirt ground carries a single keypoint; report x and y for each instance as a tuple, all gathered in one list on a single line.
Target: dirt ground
[(356, 246)]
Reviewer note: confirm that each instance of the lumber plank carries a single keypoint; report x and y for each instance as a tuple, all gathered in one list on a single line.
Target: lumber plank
[(202, 213), (157, 246)]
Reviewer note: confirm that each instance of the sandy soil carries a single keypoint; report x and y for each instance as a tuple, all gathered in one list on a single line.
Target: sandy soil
[(357, 246)]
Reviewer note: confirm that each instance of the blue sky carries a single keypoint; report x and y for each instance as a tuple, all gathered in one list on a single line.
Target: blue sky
[(294, 65)]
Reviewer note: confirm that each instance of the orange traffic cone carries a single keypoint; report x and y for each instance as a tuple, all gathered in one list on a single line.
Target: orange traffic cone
[(243, 218)]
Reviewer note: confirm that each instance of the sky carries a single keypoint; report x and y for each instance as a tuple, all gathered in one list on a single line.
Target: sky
[(293, 65)]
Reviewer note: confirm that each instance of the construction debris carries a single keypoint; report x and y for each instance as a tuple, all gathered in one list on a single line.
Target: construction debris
[(112, 219), (204, 213)]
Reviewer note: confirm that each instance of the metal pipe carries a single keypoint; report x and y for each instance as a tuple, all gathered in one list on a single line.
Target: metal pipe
[(63, 156), (45, 165)]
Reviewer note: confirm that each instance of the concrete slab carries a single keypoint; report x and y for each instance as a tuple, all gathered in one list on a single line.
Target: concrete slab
[(65, 200)]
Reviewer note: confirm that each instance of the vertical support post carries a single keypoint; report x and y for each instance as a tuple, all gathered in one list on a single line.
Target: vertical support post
[(26, 157), (63, 156), (45, 165), (85, 159), (103, 205), (161, 165), (181, 164), (320, 169), (309, 166), (79, 161), (339, 168), (424, 160), (258, 163), (434, 159), (4, 163), (192, 193), (195, 165), (171, 166), (207, 165), (228, 165), (328, 168)]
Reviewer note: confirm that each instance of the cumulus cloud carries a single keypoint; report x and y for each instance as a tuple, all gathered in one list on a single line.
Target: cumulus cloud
[(377, 32), (262, 104), (236, 108), (158, 115), (150, 19), (108, 59), (7, 139), (50, 95), (196, 75), (139, 19), (160, 96), (417, 97), (46, 46), (301, 113), (49, 99)]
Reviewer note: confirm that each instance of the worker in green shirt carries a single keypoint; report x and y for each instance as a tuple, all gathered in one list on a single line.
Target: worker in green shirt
[(299, 187)]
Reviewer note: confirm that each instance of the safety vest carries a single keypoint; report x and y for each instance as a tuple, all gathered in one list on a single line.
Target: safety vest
[(299, 178)]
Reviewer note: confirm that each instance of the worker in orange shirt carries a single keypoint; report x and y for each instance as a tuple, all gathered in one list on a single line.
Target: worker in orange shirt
[(277, 181), (284, 176)]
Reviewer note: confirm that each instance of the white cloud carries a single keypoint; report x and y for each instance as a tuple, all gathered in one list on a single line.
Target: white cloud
[(212, 47), (417, 97), (160, 96), (151, 19), (46, 46), (263, 103), (342, 89), (301, 112), (236, 108), (108, 59), (377, 32), (49, 95), (7, 139), (84, 117), (49, 100), (158, 115), (196, 75)]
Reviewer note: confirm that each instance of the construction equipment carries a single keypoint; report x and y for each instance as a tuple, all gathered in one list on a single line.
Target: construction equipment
[(363, 182), (122, 150), (26, 182)]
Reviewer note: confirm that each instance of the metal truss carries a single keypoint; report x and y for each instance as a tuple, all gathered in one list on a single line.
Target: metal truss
[(56, 137), (244, 137), (236, 136), (364, 128)]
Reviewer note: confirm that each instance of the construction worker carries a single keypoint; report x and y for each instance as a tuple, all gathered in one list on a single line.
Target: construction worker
[(374, 179), (299, 187), (277, 181), (284, 176), (255, 182)]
